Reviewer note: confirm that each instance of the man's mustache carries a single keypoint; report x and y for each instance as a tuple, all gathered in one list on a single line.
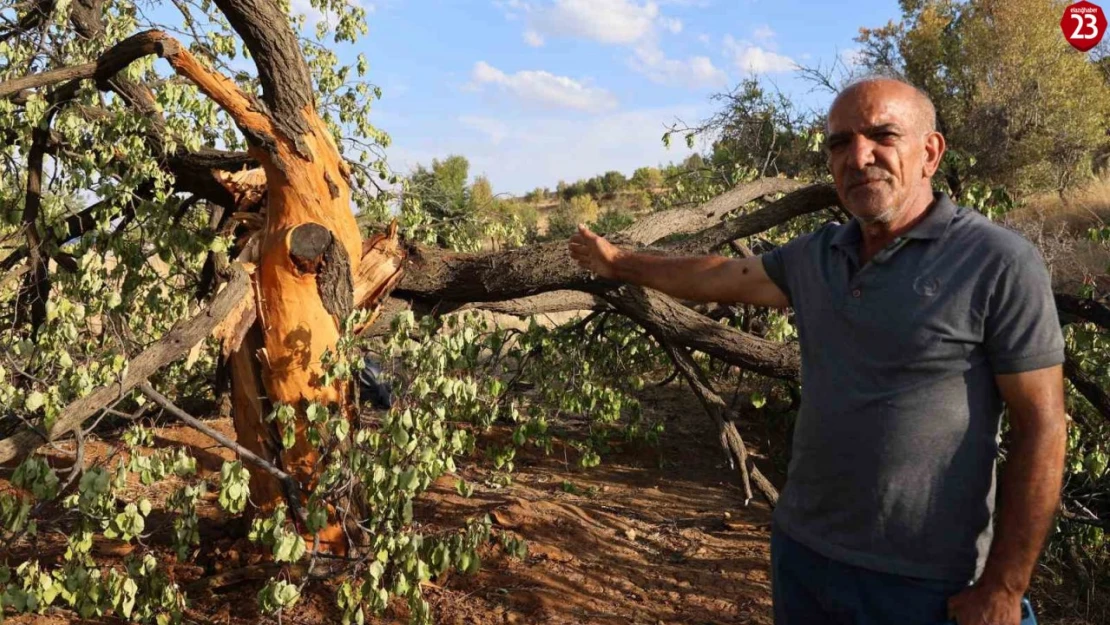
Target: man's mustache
[(867, 175)]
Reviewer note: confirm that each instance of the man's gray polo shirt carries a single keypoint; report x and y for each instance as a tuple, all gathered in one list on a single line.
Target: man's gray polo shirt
[(893, 464)]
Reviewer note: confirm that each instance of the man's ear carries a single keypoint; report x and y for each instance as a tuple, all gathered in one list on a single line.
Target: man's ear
[(934, 152)]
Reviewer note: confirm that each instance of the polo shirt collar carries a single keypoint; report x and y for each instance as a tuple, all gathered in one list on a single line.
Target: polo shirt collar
[(936, 220), (934, 224)]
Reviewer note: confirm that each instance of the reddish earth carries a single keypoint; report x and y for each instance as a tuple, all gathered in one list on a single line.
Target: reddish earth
[(653, 535)]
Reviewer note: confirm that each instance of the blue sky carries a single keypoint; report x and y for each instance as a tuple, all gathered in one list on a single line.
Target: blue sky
[(534, 91)]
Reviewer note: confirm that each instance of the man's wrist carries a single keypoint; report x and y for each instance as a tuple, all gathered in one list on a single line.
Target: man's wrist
[(1005, 582), (621, 266)]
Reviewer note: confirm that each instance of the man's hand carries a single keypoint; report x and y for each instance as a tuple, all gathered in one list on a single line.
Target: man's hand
[(593, 253), (985, 605)]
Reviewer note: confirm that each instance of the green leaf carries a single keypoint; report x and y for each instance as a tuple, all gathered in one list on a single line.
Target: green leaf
[(758, 400), (34, 401)]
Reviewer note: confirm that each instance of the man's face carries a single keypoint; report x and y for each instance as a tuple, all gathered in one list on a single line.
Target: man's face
[(877, 149)]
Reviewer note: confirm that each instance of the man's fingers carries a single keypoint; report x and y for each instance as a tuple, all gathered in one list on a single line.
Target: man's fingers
[(586, 232)]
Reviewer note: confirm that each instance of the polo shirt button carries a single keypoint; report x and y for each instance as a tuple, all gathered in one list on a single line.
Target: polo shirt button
[(856, 292)]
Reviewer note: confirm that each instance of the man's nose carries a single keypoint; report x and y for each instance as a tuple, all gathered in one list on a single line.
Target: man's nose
[(861, 153)]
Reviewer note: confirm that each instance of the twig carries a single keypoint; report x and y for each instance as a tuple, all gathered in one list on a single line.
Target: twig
[(730, 436), (292, 489)]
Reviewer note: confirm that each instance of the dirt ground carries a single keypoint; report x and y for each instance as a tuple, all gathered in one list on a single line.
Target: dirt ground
[(652, 536)]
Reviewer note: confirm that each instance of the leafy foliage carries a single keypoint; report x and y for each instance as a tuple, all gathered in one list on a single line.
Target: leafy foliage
[(1021, 107)]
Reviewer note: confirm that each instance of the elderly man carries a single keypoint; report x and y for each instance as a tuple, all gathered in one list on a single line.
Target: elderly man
[(917, 321)]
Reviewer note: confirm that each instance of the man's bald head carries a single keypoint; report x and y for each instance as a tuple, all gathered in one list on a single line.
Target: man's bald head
[(926, 113), (883, 149)]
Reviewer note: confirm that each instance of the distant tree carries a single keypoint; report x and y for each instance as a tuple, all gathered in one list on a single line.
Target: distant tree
[(539, 194), (480, 196), (613, 220), (613, 182), (442, 188), (585, 209), (1019, 106), (647, 178), (565, 219)]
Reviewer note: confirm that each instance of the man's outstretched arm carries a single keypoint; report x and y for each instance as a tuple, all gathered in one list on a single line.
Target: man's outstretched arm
[(697, 278), (1028, 495)]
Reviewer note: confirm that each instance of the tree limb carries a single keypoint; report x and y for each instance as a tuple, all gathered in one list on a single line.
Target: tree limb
[(1089, 388), (1085, 309), (173, 345), (686, 220), (801, 202), (286, 82), (676, 324), (515, 273), (729, 436)]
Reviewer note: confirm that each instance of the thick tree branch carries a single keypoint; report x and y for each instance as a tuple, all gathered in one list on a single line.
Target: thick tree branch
[(110, 63), (173, 345), (801, 202), (223, 91), (686, 220), (511, 274), (38, 281), (286, 82), (1088, 387), (676, 324), (1085, 309)]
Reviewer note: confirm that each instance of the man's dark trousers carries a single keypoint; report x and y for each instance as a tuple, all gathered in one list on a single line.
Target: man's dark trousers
[(810, 589)]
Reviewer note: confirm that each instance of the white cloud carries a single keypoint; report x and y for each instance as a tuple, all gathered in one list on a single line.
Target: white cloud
[(545, 88), (493, 129), (606, 21), (636, 24), (694, 72), (540, 151), (704, 39), (754, 59), (674, 25), (764, 33), (533, 38)]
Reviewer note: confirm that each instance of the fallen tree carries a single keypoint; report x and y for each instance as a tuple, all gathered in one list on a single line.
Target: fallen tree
[(298, 280)]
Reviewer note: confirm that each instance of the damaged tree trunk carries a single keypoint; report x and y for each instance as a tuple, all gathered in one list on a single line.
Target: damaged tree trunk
[(308, 254)]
